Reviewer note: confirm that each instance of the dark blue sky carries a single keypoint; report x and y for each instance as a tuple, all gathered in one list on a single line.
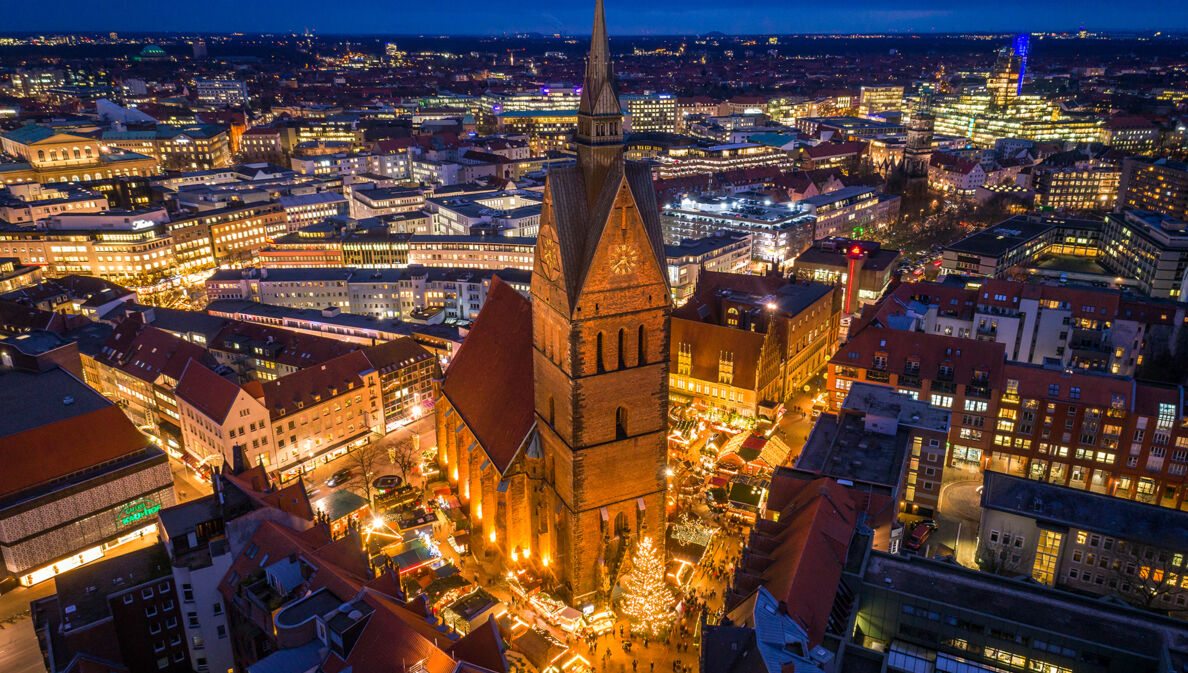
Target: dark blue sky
[(623, 16)]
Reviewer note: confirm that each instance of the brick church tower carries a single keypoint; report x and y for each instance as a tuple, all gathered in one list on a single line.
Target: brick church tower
[(600, 306)]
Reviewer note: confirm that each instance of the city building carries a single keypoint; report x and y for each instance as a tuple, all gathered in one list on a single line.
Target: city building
[(386, 201), (1082, 542), (1150, 247), (221, 93), (32, 202), (140, 365), (687, 160), (908, 612), (381, 293), (319, 413), (1020, 242), (1157, 185), (745, 344), (862, 268), (132, 247), (886, 443), (217, 418), (349, 617), (302, 210), (778, 231), (46, 155), (224, 236), (176, 148), (407, 373), (1133, 135), (513, 213), (880, 98), (651, 112), (79, 478), (204, 535), (1064, 418), (120, 612), (1076, 180), (724, 252)]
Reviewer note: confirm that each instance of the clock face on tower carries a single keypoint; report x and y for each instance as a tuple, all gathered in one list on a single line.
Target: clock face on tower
[(623, 258), (550, 258)]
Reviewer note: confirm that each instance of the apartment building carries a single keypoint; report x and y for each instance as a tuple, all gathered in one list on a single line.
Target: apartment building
[(1059, 423), (321, 412)]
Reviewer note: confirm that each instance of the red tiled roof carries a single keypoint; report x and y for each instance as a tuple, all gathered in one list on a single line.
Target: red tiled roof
[(709, 341), (205, 390), (57, 449), (315, 384), (930, 350), (299, 350), (146, 352), (489, 382), (802, 560), (482, 647)]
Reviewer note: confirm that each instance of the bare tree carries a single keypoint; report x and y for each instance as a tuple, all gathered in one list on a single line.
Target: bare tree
[(364, 461), (1152, 580), (1001, 557), (404, 456)]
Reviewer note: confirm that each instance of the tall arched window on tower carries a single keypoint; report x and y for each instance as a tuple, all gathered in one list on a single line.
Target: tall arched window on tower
[(621, 423), (642, 343), (598, 346), (552, 411), (622, 357)]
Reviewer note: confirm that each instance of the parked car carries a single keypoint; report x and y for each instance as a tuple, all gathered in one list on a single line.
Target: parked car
[(921, 531), (340, 477)]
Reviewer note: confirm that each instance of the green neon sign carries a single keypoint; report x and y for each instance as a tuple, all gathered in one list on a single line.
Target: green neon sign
[(138, 510)]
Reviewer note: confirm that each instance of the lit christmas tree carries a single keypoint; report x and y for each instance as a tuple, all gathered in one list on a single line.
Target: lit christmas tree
[(647, 599)]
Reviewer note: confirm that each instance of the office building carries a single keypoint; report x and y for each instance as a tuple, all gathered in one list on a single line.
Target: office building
[(1020, 241), (1083, 542), (651, 112), (458, 294), (873, 99), (1150, 247), (224, 236), (724, 252), (778, 231), (302, 210), (1158, 185), (221, 93), (177, 148), (1076, 180), (132, 247)]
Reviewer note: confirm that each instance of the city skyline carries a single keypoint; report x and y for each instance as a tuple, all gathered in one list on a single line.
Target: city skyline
[(666, 17)]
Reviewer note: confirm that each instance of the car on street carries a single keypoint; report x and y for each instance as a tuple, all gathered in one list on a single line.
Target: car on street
[(921, 531), (340, 477)]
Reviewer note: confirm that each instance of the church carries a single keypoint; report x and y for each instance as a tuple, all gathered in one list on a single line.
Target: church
[(552, 418)]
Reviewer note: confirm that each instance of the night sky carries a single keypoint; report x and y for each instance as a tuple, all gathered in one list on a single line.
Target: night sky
[(659, 17)]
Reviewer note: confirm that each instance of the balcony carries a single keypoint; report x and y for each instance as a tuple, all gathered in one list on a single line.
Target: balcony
[(944, 387), (878, 376), (908, 380), (980, 392)]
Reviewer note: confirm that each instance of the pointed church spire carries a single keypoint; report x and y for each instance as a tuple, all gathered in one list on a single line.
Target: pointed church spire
[(599, 137), (598, 63)]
